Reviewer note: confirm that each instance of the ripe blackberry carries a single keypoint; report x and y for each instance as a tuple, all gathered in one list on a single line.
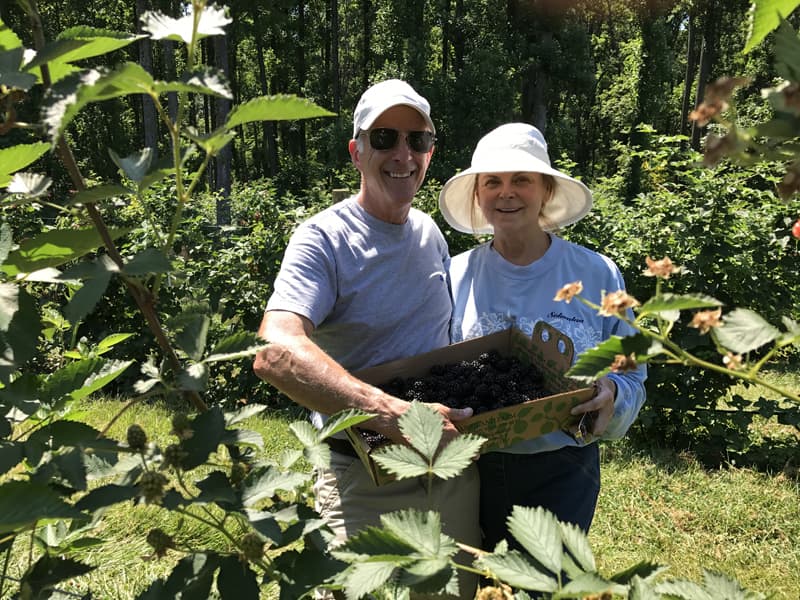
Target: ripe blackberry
[(136, 437)]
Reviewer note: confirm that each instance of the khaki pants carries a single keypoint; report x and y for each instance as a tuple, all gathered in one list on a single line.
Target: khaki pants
[(348, 499)]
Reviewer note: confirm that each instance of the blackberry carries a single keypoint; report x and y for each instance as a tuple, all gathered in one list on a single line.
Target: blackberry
[(173, 456), (252, 546), (151, 486), (238, 473), (182, 426), (136, 437), (160, 541)]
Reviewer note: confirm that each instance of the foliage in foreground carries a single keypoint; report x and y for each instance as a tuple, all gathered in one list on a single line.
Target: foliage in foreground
[(60, 474)]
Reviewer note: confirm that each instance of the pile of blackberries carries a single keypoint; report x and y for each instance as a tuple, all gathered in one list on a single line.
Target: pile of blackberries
[(486, 383), (489, 382)]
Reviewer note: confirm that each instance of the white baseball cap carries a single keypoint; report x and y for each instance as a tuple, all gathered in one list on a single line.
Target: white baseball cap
[(512, 148), (384, 95)]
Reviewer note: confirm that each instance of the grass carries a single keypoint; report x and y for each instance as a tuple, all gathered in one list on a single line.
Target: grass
[(655, 505)]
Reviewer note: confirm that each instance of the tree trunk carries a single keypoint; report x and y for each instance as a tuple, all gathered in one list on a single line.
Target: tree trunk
[(445, 38), (707, 58), (334, 67), (366, 14), (148, 108), (222, 161), (691, 65), (269, 162), (458, 39)]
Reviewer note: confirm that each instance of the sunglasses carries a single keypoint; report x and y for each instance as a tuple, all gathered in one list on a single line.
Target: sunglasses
[(384, 138)]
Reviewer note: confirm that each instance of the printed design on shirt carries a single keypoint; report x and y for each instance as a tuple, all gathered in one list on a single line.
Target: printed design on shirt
[(582, 336)]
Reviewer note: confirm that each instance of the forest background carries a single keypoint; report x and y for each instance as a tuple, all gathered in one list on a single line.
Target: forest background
[(617, 88)]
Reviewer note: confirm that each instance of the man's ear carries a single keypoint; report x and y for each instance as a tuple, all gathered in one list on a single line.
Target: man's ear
[(355, 155)]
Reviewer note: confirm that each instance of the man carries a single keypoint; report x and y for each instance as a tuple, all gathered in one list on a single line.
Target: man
[(361, 283)]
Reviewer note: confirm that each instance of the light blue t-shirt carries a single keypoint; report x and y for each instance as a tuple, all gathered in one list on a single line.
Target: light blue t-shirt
[(375, 291), (491, 294)]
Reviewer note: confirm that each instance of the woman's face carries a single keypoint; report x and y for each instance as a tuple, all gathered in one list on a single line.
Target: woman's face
[(511, 201)]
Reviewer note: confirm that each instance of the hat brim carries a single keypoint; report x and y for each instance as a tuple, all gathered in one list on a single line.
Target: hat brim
[(570, 202), (377, 112)]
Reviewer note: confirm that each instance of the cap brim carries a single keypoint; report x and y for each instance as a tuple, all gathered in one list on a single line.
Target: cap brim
[(377, 112)]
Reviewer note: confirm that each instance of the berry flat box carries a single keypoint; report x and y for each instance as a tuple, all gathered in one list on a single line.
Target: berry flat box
[(548, 349)]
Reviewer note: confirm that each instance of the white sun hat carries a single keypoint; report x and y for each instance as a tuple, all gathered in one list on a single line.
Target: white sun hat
[(384, 95), (512, 148)]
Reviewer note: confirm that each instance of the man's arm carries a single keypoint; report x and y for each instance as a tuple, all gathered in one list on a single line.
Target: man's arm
[(299, 368)]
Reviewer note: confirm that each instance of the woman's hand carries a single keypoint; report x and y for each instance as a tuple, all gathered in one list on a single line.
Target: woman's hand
[(596, 414)]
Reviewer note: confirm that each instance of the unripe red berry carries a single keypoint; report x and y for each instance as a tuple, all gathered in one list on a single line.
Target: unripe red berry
[(796, 229)]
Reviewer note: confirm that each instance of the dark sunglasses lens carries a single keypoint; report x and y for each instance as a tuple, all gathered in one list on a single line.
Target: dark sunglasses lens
[(383, 139), (420, 141)]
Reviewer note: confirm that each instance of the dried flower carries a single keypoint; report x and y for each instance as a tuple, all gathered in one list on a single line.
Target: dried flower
[(660, 268), (716, 99), (717, 147), (623, 363), (617, 303), (704, 320), (732, 361), (569, 291)]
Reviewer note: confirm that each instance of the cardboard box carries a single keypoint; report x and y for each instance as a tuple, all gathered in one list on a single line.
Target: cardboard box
[(548, 349)]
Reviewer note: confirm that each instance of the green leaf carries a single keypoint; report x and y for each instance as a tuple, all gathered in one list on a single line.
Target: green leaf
[(107, 495), (213, 142), (54, 51), (17, 157), (194, 378), (192, 337), (246, 412), (110, 341), (671, 302), (161, 27), (19, 337), (515, 570), (342, 420), (242, 344), (423, 425), (205, 81), (49, 571), (237, 581), (136, 165), (244, 437), (743, 330), (209, 429), (53, 248), (96, 281), (402, 461), (683, 589), (82, 378), (457, 455), (215, 488), (67, 97), (577, 542), (30, 185), (764, 17), (597, 361), (365, 577), (787, 52), (99, 193), (643, 570), (148, 261), (8, 39), (96, 42), (305, 432), (589, 584), (6, 241), (420, 530), (24, 503), (538, 531), (265, 482), (282, 107)]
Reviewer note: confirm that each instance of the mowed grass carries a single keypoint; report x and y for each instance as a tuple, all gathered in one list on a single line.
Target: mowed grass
[(655, 505)]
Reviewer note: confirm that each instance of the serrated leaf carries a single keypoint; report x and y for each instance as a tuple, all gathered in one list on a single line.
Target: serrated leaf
[(422, 425), (688, 590), (422, 530), (23, 503), (589, 584), (112, 340), (537, 530), (136, 165), (205, 81), (743, 330), (53, 248), (96, 42), (243, 437), (86, 298), (597, 361), (54, 51), (17, 157), (246, 412), (99, 193), (457, 455), (577, 543), (213, 142), (363, 578), (106, 495), (671, 302), (194, 378), (787, 52), (8, 39), (209, 429), (192, 337), (160, 27), (764, 17), (242, 344), (49, 571), (30, 185), (643, 570), (515, 570), (401, 461), (305, 432), (342, 420), (282, 107), (237, 581), (266, 482), (147, 262)]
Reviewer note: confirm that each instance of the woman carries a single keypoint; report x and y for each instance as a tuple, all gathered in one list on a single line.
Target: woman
[(512, 192)]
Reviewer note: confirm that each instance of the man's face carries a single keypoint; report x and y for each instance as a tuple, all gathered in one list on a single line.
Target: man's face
[(390, 178)]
